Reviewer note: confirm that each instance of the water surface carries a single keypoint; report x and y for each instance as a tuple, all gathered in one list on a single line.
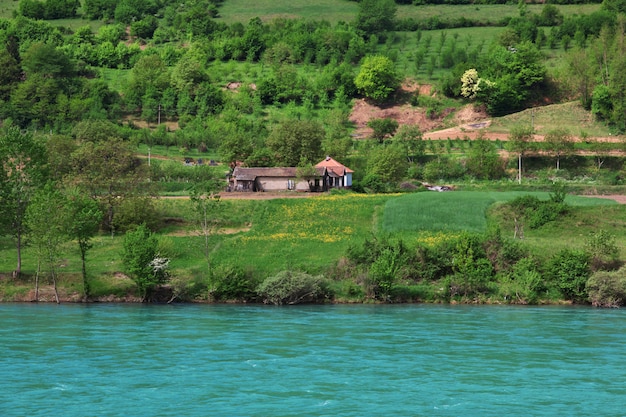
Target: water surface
[(410, 360)]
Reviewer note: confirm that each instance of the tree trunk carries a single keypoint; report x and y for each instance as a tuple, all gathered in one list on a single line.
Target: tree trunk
[(37, 281), (54, 280), (86, 289), (18, 270)]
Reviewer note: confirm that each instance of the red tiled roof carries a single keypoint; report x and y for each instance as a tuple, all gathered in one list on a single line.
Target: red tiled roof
[(334, 166)]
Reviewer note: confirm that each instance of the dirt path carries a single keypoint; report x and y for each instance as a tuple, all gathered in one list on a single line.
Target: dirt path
[(253, 196), (621, 199)]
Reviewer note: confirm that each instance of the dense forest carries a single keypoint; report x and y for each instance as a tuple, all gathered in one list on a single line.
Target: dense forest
[(85, 84)]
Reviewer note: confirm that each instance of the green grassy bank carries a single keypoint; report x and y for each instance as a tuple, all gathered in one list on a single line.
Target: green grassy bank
[(314, 235)]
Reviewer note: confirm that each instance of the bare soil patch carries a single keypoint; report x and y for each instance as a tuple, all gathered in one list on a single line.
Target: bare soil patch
[(621, 199), (234, 195), (405, 114), (467, 123)]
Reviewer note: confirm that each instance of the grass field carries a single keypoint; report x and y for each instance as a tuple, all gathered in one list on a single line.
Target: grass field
[(336, 11), (550, 117), (456, 211)]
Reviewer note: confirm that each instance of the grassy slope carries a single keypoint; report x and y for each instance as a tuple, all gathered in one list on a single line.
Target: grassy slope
[(267, 236), (456, 211), (343, 10), (411, 215)]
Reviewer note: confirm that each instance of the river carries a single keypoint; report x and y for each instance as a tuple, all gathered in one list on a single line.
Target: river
[(339, 360)]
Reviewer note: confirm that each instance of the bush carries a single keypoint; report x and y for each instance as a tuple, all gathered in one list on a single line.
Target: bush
[(288, 287), (536, 212), (134, 211), (232, 283), (607, 289), (142, 262), (569, 270), (603, 250), (443, 169), (527, 281)]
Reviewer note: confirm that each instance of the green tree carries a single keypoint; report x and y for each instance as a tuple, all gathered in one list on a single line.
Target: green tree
[(83, 222), (46, 219), (110, 172), (382, 128), (205, 200), (294, 141), (509, 77), (48, 61), (337, 142), (520, 142), (388, 163), (376, 16), (410, 137), (95, 131), (569, 270), (483, 160), (23, 162), (10, 73), (377, 78), (560, 143), (149, 73), (139, 253), (582, 73)]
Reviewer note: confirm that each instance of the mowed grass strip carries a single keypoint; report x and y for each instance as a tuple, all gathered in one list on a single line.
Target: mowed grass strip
[(456, 210)]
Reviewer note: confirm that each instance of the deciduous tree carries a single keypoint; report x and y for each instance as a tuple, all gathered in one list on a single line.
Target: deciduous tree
[(410, 138), (83, 222), (520, 142), (382, 128), (23, 171), (377, 78), (47, 220), (296, 140), (376, 16), (139, 254), (205, 200), (561, 144), (110, 172)]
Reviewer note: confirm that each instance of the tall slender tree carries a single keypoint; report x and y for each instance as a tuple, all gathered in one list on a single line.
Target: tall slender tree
[(520, 142), (83, 223), (47, 218), (22, 172)]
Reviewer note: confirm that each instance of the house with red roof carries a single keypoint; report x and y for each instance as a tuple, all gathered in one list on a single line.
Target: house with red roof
[(328, 174)]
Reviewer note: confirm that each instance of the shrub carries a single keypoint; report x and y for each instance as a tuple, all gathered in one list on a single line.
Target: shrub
[(443, 169), (536, 212), (603, 250), (141, 260), (569, 270), (472, 270), (607, 289), (288, 287), (231, 283), (528, 280), (386, 269), (134, 211)]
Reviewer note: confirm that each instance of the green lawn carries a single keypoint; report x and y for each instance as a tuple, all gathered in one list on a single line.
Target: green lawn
[(456, 211)]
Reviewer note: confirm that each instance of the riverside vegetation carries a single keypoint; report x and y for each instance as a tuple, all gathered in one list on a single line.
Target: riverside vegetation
[(102, 101)]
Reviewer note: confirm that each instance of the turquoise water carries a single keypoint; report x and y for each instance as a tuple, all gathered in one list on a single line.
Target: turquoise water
[(410, 360)]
